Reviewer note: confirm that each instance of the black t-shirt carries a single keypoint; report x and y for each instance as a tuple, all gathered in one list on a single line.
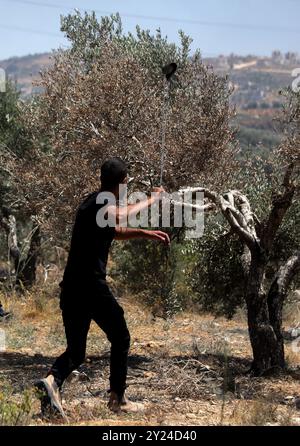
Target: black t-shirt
[(90, 244)]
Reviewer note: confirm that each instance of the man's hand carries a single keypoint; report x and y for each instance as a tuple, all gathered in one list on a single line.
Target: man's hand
[(157, 192), (132, 233), (159, 236)]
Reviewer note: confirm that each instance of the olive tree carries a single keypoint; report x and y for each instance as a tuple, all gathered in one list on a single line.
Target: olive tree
[(258, 236), (20, 246), (104, 96)]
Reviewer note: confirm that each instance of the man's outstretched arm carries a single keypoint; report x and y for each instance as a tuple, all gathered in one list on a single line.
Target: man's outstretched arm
[(133, 233), (121, 213)]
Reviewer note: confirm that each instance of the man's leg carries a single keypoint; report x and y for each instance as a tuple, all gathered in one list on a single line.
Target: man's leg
[(76, 329), (109, 316), (76, 326)]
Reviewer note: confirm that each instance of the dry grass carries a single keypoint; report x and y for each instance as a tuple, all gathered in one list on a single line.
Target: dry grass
[(292, 356), (257, 413), (190, 370)]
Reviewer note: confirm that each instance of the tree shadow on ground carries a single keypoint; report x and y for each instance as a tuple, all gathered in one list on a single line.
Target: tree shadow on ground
[(21, 369)]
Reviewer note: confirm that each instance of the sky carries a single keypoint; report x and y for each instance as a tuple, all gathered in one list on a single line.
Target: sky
[(216, 26)]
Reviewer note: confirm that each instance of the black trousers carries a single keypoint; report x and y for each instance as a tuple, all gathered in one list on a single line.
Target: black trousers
[(99, 305)]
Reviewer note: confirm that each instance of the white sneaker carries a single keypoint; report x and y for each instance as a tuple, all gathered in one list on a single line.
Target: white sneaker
[(51, 398)]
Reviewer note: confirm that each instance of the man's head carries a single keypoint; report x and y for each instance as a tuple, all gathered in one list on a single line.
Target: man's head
[(113, 173)]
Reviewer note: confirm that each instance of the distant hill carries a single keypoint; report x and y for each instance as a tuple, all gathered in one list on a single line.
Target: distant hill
[(25, 70), (256, 81)]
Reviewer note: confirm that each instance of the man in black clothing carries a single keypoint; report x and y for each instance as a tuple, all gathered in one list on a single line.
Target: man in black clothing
[(84, 282)]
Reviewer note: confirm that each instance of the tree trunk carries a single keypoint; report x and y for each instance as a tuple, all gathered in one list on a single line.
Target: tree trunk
[(275, 305), (9, 223), (277, 294), (265, 312), (262, 336), (27, 272)]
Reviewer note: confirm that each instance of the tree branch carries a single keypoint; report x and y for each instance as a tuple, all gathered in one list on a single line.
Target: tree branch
[(280, 204), (241, 220), (286, 274)]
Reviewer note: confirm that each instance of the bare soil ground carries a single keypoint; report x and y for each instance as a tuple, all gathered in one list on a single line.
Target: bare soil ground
[(191, 370)]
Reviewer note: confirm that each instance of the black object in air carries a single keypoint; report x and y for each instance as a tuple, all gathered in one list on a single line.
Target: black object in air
[(169, 70)]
